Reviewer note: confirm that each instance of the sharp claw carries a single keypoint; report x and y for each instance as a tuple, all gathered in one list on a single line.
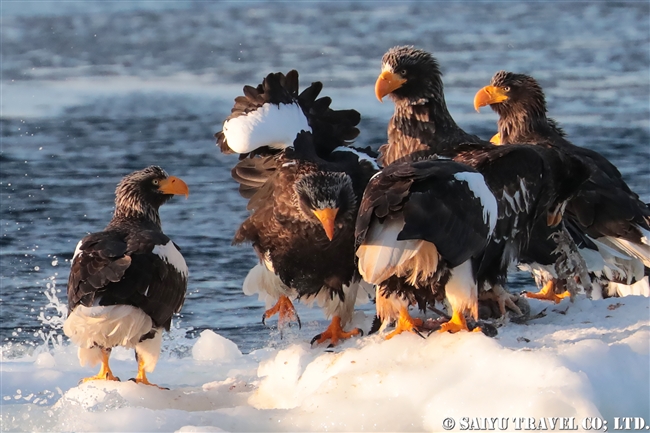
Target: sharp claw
[(317, 337), (419, 333), (360, 332), (298, 320), (331, 346), (264, 319)]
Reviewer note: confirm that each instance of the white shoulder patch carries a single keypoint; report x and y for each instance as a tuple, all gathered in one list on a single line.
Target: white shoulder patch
[(171, 255), (476, 184), (362, 156), (270, 125), (77, 251)]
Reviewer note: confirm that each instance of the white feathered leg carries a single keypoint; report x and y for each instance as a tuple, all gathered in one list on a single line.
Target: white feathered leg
[(147, 353), (341, 313), (461, 292)]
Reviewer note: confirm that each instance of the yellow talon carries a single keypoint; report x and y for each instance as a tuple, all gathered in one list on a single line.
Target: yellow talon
[(405, 323), (457, 323), (548, 293), (285, 310), (142, 376), (105, 372), (334, 333)]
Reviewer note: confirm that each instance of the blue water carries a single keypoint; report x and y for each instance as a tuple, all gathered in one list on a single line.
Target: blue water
[(92, 91)]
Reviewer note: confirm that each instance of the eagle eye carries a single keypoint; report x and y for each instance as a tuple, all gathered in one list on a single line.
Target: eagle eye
[(155, 182), (507, 88)]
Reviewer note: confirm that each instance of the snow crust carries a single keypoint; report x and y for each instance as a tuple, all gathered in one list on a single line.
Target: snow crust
[(586, 359)]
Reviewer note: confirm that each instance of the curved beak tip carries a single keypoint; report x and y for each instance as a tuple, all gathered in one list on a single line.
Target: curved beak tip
[(327, 218), (174, 185)]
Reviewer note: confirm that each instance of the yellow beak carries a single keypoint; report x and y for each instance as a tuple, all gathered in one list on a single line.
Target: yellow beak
[(386, 83), (326, 217), (173, 185), (489, 95)]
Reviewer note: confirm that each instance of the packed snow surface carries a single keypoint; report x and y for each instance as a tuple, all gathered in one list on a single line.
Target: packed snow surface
[(582, 360)]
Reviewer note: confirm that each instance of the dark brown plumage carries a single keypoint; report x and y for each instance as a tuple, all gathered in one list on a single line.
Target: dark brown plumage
[(528, 182), (127, 281), (604, 208), (303, 197)]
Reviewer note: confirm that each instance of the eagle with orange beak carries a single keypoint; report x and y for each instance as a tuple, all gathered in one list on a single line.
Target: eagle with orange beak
[(304, 182), (127, 281), (527, 182), (607, 219)]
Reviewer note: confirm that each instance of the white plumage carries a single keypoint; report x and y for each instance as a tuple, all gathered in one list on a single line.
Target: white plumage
[(170, 254), (382, 255), (105, 326), (476, 183), (270, 125)]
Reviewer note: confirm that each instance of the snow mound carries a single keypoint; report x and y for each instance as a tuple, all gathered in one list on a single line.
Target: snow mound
[(214, 347), (581, 359)]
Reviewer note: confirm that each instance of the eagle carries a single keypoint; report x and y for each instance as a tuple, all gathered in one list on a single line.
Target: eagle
[(128, 280), (304, 183), (609, 221), (528, 182), (422, 229)]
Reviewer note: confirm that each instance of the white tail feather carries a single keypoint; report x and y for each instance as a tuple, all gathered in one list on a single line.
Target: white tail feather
[(270, 125), (109, 326), (638, 251), (381, 255), (640, 288)]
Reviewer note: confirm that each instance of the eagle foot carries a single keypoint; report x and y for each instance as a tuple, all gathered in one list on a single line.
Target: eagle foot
[(286, 313), (144, 381), (105, 372), (334, 333), (548, 293), (504, 300), (457, 323), (108, 375), (142, 376), (406, 323)]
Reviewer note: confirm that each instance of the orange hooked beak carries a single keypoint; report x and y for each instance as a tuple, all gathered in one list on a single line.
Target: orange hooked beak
[(387, 82), (173, 185), (489, 95), (326, 217)]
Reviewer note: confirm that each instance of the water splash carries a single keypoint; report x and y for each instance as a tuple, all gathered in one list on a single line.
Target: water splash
[(52, 330)]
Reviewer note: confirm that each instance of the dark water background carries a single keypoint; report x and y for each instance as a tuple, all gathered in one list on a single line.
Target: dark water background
[(92, 91)]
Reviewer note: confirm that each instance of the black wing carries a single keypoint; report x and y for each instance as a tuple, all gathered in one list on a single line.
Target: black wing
[(113, 268), (435, 205)]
